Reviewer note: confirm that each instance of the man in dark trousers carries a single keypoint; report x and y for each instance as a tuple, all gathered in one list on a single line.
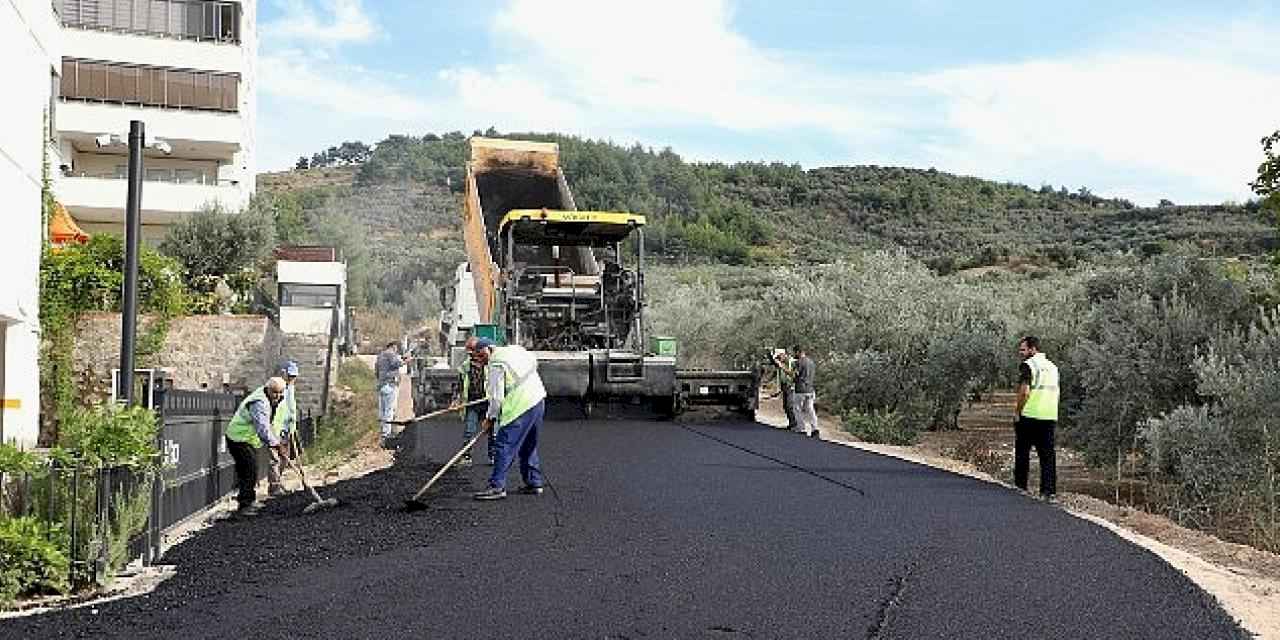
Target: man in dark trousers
[(471, 388), (517, 401), (250, 429), (806, 394), (1037, 418), (785, 366)]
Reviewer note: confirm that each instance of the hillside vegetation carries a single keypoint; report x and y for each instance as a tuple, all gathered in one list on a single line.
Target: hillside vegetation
[(393, 208)]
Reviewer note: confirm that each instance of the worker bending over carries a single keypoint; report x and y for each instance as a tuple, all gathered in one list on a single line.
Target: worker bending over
[(283, 421), (517, 402), (250, 428)]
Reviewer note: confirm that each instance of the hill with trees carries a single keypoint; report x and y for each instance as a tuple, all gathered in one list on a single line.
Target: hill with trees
[(393, 208)]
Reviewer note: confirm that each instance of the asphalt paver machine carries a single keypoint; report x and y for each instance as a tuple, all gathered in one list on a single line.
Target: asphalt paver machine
[(569, 286)]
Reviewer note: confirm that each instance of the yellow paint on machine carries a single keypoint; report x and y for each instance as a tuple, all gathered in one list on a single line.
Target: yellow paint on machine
[(12, 403), (554, 215)]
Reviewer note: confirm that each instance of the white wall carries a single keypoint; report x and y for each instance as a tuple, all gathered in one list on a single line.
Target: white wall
[(312, 272), (152, 50), (246, 158), (305, 320), (103, 199), (29, 46), (95, 118)]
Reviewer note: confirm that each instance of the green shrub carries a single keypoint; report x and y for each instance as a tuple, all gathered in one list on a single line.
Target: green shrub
[(15, 460), (880, 428), (31, 560), (1216, 464), (90, 277), (111, 436), (348, 421), (215, 242)]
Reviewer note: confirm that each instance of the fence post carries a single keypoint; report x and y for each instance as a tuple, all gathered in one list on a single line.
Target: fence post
[(215, 470), (53, 496), (157, 481), (75, 506)]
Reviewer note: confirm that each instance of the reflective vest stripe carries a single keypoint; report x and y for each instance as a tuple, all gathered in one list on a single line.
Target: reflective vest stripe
[(1042, 401), (241, 428), (522, 388)]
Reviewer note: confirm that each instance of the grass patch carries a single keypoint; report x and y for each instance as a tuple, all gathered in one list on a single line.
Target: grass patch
[(880, 428), (978, 452), (353, 417)]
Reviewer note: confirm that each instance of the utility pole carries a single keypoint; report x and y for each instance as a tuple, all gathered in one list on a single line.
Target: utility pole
[(132, 231)]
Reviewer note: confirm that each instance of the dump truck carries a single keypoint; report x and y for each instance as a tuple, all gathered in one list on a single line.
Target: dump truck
[(569, 286)]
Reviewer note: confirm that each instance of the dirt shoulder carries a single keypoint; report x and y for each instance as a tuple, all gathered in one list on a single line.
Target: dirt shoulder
[(1246, 581)]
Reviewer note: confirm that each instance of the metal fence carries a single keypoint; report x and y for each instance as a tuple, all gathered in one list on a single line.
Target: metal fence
[(198, 470), (92, 510)]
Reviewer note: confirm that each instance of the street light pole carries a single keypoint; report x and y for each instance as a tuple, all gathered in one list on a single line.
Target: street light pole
[(132, 231)]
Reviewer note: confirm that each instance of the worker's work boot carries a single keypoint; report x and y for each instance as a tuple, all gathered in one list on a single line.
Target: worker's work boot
[(492, 493), (530, 490), (247, 511)]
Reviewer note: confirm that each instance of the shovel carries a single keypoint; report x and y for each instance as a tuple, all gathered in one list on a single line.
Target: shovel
[(415, 503), (317, 502)]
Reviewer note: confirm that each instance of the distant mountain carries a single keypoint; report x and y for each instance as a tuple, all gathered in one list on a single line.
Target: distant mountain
[(403, 193)]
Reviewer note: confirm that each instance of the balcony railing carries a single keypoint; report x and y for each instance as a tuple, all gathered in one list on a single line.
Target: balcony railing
[(94, 80), (201, 20), (197, 179)]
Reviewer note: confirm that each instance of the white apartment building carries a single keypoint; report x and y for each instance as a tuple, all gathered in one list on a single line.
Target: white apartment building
[(185, 68), (30, 46)]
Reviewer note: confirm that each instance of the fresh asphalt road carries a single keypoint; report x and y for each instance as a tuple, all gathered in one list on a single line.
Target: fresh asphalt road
[(710, 529)]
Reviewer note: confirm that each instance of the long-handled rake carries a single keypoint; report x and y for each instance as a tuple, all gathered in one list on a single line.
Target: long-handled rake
[(415, 503), (317, 503), (437, 413)]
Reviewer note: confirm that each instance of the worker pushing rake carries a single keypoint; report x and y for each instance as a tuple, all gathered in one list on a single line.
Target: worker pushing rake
[(517, 402)]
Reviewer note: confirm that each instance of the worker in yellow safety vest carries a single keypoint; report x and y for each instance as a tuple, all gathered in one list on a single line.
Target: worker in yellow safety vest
[(1038, 389), (471, 383), (283, 421), (250, 428), (517, 402)]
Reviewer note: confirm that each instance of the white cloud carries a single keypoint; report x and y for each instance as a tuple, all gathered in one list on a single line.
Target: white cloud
[(324, 23), (639, 62), (1174, 112), (1191, 121)]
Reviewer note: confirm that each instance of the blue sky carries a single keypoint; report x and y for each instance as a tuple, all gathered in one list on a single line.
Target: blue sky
[(1144, 100)]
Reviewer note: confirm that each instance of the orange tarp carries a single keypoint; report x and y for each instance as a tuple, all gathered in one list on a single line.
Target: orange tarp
[(63, 229)]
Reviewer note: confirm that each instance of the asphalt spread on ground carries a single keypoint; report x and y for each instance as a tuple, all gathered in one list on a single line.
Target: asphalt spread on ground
[(693, 529)]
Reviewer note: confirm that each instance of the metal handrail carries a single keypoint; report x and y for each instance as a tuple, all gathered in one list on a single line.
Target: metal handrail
[(201, 180)]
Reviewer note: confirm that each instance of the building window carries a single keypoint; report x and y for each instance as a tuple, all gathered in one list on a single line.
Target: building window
[(188, 19), (150, 86), (308, 295)]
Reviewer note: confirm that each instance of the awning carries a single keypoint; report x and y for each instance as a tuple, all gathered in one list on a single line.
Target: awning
[(63, 229)]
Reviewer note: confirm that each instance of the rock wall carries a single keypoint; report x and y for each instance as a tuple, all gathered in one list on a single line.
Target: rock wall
[(206, 352), (199, 352), (311, 352)]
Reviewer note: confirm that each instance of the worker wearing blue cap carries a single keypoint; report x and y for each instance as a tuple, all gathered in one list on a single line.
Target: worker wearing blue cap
[(517, 401), (283, 420)]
